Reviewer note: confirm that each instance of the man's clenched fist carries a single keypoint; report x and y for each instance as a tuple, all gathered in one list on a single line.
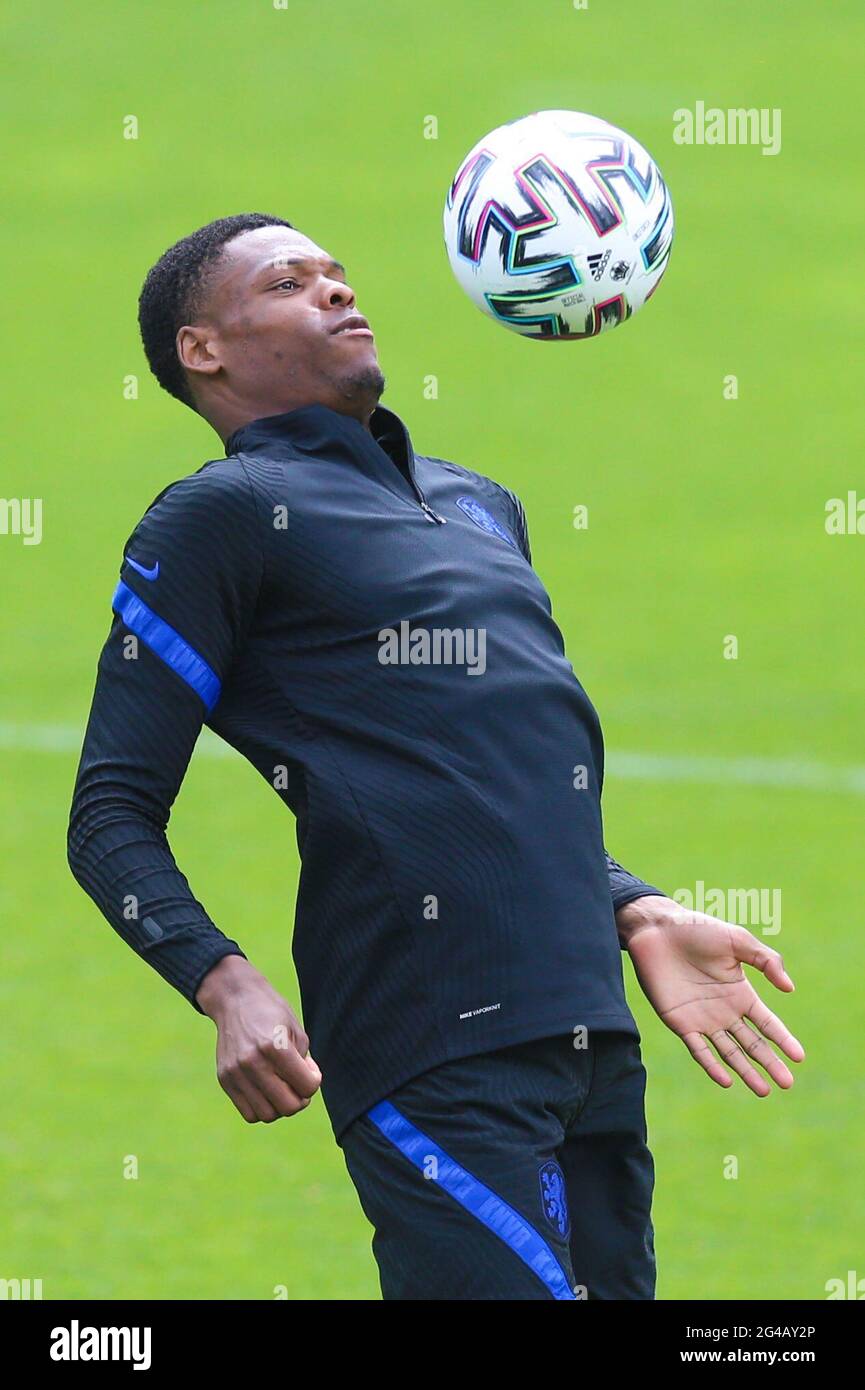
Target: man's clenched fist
[(262, 1052)]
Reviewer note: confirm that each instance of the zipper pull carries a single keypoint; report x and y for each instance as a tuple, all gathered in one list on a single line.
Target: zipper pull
[(431, 515)]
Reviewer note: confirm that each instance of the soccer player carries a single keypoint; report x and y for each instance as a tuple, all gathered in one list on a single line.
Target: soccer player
[(364, 624)]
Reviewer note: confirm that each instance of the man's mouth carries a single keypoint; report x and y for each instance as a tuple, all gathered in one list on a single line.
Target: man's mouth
[(354, 324)]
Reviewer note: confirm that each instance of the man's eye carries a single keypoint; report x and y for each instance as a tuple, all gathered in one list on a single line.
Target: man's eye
[(285, 282)]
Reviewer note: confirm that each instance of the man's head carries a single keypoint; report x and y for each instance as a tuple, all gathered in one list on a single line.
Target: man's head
[(247, 317)]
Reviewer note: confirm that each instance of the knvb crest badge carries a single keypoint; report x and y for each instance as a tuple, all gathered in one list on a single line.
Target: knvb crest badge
[(553, 1198), (481, 517)]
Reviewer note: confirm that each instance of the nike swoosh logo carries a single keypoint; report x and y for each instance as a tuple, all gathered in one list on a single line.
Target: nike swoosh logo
[(145, 573)]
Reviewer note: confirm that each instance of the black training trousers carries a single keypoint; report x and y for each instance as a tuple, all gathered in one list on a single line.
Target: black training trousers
[(521, 1173)]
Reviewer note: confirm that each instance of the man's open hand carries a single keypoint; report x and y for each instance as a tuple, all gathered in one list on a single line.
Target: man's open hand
[(262, 1052), (689, 966)]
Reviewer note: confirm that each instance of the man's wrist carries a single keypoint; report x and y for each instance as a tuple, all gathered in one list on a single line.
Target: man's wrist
[(649, 910), (227, 978)]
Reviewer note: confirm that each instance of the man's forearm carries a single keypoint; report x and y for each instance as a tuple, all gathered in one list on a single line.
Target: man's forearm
[(126, 866)]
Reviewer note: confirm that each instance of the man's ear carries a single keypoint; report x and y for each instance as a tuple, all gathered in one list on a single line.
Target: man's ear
[(198, 350)]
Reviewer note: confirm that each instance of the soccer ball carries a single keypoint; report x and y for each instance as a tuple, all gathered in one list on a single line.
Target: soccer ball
[(558, 225)]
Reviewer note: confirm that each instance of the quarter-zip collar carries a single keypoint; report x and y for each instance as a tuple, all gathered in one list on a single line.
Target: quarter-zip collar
[(316, 429), (309, 428)]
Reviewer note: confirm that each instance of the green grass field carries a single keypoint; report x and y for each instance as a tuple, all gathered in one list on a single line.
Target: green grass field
[(706, 518)]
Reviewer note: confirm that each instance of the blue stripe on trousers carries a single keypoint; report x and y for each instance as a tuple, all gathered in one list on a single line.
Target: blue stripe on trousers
[(484, 1204)]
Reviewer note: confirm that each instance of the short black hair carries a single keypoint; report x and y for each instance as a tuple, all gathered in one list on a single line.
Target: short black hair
[(171, 293)]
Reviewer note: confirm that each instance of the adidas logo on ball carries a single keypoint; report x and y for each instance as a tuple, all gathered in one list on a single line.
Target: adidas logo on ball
[(598, 264)]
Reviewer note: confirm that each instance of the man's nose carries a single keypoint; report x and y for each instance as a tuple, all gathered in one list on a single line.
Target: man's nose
[(336, 292)]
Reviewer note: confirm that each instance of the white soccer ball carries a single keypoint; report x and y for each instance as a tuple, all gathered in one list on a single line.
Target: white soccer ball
[(558, 225)]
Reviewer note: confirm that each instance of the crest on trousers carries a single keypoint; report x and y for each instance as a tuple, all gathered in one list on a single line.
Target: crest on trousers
[(553, 1198)]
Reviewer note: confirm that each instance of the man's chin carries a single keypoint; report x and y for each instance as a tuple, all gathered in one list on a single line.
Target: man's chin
[(365, 383)]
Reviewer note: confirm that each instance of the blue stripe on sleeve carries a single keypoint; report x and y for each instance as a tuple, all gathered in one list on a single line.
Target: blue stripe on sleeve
[(168, 645), (479, 1200)]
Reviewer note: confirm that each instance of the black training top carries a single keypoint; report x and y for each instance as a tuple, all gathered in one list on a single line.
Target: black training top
[(363, 623)]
